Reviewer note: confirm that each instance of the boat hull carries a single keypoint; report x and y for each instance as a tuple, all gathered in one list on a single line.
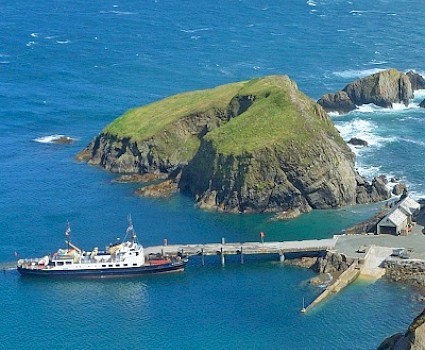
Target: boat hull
[(104, 273)]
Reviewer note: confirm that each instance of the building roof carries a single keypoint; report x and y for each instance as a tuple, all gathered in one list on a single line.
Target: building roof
[(396, 217), (409, 205)]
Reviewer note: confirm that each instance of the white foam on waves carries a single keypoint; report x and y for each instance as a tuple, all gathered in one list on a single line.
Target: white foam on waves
[(195, 30), (119, 13), (63, 41), (365, 130), (52, 138), (419, 94), (357, 73), (397, 107)]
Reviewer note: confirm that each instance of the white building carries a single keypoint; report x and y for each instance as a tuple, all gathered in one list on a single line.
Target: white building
[(399, 220)]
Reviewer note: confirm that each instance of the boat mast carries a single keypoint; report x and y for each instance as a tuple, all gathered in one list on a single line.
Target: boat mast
[(130, 228), (67, 234)]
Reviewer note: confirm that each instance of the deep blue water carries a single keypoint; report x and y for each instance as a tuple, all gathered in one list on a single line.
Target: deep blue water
[(71, 67)]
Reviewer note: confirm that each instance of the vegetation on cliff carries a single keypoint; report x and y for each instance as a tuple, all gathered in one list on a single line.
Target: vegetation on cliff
[(252, 146)]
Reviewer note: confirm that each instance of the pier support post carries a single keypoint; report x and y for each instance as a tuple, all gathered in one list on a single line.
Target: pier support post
[(203, 256), (241, 255), (281, 257), (223, 261)]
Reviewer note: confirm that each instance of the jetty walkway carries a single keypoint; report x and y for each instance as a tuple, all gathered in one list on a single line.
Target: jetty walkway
[(222, 249)]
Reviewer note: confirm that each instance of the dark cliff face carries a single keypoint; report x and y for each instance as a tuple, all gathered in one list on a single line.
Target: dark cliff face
[(382, 89), (303, 166), (412, 339)]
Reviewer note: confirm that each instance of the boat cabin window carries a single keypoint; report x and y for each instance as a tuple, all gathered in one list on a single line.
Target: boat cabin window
[(134, 264), (117, 265), (103, 265), (68, 262), (59, 263), (125, 264), (110, 265), (137, 253)]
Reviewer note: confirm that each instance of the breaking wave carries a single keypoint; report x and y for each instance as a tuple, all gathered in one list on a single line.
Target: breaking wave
[(195, 30), (357, 73), (365, 130), (53, 138)]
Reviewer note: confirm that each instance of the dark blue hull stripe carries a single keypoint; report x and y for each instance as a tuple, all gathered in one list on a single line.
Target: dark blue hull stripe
[(116, 272)]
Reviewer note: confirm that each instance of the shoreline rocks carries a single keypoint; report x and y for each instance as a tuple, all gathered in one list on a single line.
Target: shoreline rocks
[(161, 190), (139, 178), (409, 271)]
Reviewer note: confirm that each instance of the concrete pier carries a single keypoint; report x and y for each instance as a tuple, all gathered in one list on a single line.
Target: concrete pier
[(246, 248), (347, 277)]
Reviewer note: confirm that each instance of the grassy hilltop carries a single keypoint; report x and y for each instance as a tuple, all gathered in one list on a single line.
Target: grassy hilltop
[(250, 146), (273, 117)]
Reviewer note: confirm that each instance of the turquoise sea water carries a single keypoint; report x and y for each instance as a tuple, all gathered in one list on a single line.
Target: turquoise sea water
[(72, 67)]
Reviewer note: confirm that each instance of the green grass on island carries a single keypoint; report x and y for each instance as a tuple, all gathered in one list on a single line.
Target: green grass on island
[(144, 122), (280, 114)]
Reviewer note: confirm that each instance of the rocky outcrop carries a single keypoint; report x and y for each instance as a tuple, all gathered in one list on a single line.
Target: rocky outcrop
[(372, 192), (161, 190), (382, 89), (256, 146), (358, 142), (139, 178), (399, 189), (64, 140), (331, 262), (422, 104), (412, 339), (417, 80), (406, 271)]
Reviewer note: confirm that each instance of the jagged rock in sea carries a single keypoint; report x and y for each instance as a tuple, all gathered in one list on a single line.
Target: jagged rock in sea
[(417, 80), (374, 192), (422, 104), (64, 140), (412, 339), (382, 89), (251, 146), (358, 142), (399, 188)]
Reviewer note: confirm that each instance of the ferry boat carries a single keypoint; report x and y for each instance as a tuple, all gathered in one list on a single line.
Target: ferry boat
[(122, 259)]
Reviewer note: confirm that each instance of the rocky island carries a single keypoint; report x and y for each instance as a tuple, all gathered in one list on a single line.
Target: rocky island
[(382, 89), (251, 146)]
